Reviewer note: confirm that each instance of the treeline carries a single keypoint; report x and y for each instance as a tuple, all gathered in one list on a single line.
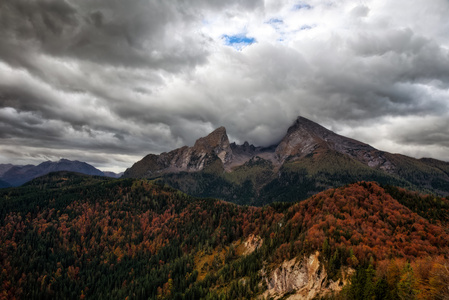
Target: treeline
[(69, 236), (423, 278), (112, 239)]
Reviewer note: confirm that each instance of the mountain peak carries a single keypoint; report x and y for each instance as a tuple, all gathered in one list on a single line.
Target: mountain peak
[(304, 124), (216, 139), (306, 137), (18, 175), (302, 138), (220, 129), (218, 142), (213, 139), (191, 159)]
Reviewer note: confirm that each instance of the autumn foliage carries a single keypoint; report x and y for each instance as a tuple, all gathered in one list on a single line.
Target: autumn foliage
[(70, 236), (113, 238), (366, 219)]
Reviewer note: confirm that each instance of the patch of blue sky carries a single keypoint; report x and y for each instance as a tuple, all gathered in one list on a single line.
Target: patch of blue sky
[(239, 41), (275, 23), (307, 27), (301, 5)]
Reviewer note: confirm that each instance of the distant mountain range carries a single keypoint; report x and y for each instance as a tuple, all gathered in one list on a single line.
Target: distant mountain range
[(12, 175), (309, 159), (112, 174)]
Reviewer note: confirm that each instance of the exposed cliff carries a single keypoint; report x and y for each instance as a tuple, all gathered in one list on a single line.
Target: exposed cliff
[(188, 159), (305, 137), (309, 159), (301, 279)]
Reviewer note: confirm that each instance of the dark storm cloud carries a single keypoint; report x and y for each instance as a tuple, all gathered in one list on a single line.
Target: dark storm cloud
[(110, 81), (127, 33), (429, 131), (385, 75)]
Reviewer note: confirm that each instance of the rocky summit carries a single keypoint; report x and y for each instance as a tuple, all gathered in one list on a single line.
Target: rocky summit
[(305, 137), (189, 159), (308, 159)]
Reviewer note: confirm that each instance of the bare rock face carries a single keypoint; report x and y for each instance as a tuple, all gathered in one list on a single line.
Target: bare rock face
[(305, 137), (195, 158), (304, 141), (190, 159), (301, 279), (252, 243), (301, 139), (216, 142)]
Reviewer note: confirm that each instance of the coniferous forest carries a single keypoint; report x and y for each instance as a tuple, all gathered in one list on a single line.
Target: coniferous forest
[(224, 150), (72, 236)]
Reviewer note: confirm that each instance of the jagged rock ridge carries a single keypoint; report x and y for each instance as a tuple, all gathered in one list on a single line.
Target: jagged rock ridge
[(304, 137), (206, 150), (309, 159)]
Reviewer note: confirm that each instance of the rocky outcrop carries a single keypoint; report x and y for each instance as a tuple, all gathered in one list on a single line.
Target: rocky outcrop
[(305, 137), (245, 153), (251, 244), (302, 138), (216, 142), (307, 149), (300, 279), (188, 159)]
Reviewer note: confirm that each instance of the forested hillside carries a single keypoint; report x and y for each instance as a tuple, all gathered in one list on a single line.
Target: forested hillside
[(70, 236)]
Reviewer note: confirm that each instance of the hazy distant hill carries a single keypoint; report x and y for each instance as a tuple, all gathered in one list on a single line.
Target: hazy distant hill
[(4, 168), (309, 159), (4, 184), (71, 236), (112, 174), (18, 175)]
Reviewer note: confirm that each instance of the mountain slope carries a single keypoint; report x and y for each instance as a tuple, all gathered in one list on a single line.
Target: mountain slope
[(206, 150), (18, 175), (4, 168), (309, 159), (4, 184), (305, 137), (67, 235)]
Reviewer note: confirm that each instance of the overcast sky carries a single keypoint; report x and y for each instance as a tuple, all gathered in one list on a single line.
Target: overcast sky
[(109, 81)]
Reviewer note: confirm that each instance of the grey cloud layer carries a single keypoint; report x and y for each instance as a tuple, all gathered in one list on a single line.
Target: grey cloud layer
[(119, 79), (132, 33)]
